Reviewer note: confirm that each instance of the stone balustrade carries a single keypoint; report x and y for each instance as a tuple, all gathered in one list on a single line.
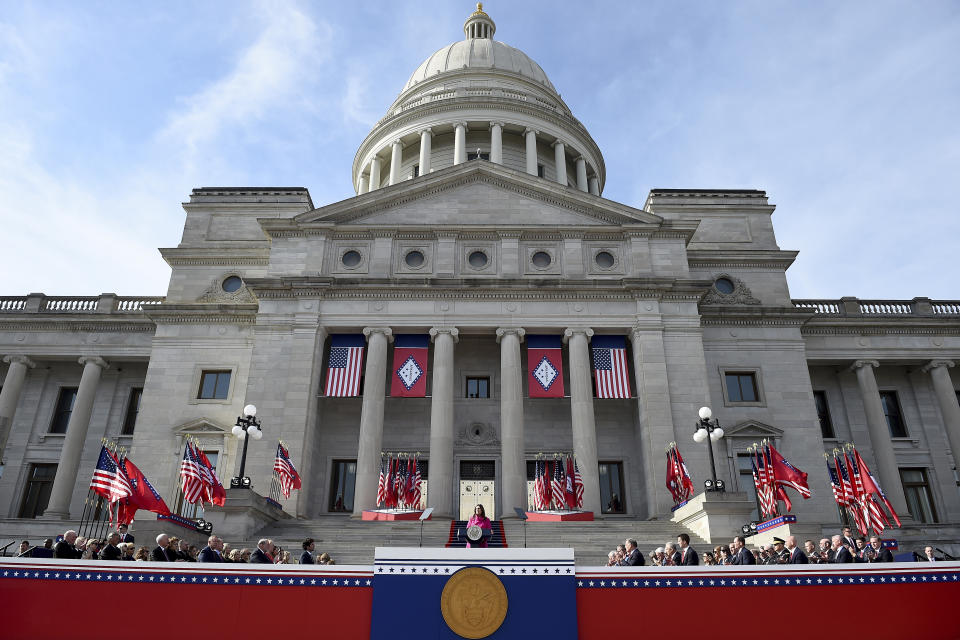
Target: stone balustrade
[(854, 307), (104, 303)]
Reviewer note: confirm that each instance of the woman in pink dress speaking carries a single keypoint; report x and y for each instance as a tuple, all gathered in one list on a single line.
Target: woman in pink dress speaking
[(479, 519)]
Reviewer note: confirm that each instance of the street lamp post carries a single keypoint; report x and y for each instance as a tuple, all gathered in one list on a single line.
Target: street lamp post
[(706, 427), (247, 425)]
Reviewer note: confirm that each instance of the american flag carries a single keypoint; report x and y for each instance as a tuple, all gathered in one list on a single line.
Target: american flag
[(767, 500), (215, 491), (610, 366), (578, 484), (756, 484), (382, 485), (838, 496), (289, 478), (850, 495), (400, 483), (344, 366), (558, 484), (862, 498), (108, 479), (417, 480), (191, 476), (537, 486)]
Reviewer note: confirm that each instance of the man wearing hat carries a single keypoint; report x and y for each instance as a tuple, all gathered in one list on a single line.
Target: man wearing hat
[(780, 555)]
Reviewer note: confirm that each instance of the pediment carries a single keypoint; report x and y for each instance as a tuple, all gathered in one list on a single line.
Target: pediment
[(477, 193), (201, 427), (753, 429)]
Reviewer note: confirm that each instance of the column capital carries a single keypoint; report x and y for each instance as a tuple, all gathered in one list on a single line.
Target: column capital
[(397, 141), (936, 364), (452, 331), (572, 331), (461, 124), (859, 364), (97, 360), (558, 142), (529, 130), (386, 331), (428, 130), (17, 359), (519, 332), (580, 159), (497, 124)]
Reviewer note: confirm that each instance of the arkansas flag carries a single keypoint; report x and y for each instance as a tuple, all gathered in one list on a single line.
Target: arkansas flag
[(409, 365), (544, 367)]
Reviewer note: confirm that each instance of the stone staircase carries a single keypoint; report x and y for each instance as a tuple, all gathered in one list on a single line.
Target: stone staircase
[(351, 541)]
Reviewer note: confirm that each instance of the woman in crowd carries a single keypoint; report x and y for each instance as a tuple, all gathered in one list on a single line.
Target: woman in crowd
[(245, 555), (724, 555), (708, 558), (324, 558), (235, 555), (142, 554)]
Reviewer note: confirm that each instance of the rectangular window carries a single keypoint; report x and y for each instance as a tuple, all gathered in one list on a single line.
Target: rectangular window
[(37, 492), (742, 387), (611, 487), (891, 409), (214, 385), (916, 489), (186, 509), (478, 387), (61, 415), (823, 414), (133, 408), (540, 171), (342, 485)]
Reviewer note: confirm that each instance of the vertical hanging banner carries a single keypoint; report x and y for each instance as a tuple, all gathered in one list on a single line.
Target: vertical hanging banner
[(409, 365), (610, 366), (345, 364), (544, 367)]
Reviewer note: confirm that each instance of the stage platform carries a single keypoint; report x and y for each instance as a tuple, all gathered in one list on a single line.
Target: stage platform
[(480, 593), (391, 515), (559, 516)]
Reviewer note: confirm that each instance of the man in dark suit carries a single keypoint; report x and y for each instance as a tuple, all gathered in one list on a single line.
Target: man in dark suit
[(111, 551), (162, 552), (688, 556), (928, 555), (743, 555), (880, 552), (797, 556), (211, 552), (65, 548), (124, 536), (307, 556), (841, 555), (261, 555), (633, 558), (848, 540)]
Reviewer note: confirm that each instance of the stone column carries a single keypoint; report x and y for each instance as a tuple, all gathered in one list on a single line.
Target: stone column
[(396, 159), (375, 173), (371, 420), (581, 416), (460, 143), (513, 465), (440, 486), (885, 459), (560, 159), (582, 174), (594, 185), (363, 184), (496, 142), (939, 371), (10, 395), (426, 147), (66, 478), (531, 139)]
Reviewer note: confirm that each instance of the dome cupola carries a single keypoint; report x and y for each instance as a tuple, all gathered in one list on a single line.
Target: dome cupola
[(479, 99)]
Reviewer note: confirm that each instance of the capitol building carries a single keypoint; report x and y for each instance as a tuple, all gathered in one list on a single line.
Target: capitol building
[(479, 220)]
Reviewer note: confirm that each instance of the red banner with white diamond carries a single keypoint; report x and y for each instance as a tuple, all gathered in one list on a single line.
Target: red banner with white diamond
[(409, 377), (544, 367)]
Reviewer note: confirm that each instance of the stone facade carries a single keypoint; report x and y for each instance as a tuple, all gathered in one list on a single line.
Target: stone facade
[(694, 281)]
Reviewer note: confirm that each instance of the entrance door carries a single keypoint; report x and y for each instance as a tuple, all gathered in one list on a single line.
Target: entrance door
[(477, 483)]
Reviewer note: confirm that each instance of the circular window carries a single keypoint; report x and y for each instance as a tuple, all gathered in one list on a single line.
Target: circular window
[(541, 259), (724, 285), (477, 259), (231, 284), (414, 259), (351, 258), (604, 260)]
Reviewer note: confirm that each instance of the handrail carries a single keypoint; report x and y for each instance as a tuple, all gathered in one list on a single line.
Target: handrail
[(3, 549)]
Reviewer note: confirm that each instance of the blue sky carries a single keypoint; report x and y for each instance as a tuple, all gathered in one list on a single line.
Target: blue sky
[(846, 113)]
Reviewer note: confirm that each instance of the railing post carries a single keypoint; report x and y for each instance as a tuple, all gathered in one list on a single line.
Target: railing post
[(35, 303), (107, 303), (921, 307), (850, 306)]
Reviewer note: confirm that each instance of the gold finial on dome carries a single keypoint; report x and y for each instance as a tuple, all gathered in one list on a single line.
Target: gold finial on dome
[(479, 9), (479, 24)]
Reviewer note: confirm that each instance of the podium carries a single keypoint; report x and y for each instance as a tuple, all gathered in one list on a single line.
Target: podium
[(485, 535)]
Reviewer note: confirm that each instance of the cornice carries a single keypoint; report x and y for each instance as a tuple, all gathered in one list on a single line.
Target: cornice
[(216, 256), (761, 316), (765, 260), (79, 326), (204, 313)]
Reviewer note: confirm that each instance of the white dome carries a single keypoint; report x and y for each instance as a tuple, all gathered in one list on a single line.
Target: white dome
[(479, 53)]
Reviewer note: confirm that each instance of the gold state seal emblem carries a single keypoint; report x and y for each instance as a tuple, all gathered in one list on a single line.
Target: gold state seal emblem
[(473, 602)]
